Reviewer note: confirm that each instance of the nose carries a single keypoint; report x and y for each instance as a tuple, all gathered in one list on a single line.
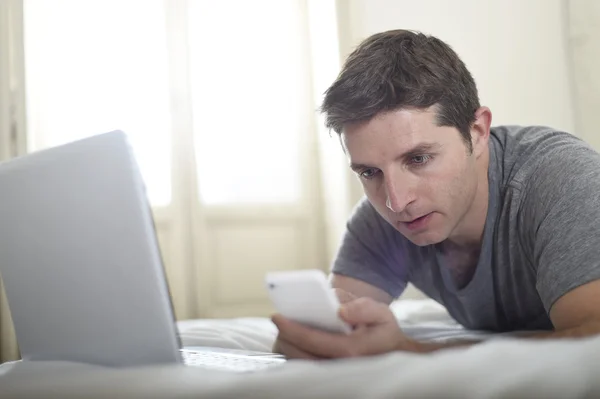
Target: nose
[(398, 195)]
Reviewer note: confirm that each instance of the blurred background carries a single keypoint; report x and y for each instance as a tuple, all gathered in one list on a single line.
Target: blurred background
[(219, 98)]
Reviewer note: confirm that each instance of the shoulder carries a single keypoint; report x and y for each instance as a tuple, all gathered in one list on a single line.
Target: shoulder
[(549, 173), (365, 220), (529, 153), (367, 229)]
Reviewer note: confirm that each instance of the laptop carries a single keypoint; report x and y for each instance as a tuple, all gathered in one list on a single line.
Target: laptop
[(81, 265)]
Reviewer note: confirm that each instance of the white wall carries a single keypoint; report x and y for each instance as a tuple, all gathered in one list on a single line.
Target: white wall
[(584, 40), (515, 49)]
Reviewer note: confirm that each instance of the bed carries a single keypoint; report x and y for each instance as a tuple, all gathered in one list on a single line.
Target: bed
[(501, 366), (421, 319)]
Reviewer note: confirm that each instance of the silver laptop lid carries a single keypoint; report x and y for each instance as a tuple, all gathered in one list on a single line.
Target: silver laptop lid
[(79, 257)]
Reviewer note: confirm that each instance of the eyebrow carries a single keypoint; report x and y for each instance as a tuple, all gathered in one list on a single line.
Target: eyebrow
[(419, 149)]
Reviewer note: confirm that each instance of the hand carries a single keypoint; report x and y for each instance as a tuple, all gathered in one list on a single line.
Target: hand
[(376, 332), (343, 297)]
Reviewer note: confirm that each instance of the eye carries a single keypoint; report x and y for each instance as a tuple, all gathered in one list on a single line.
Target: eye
[(419, 160), (369, 173)]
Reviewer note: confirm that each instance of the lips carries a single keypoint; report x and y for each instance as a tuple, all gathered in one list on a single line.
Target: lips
[(419, 223), (414, 220)]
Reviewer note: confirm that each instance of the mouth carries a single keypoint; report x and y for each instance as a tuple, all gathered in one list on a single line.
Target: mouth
[(418, 223)]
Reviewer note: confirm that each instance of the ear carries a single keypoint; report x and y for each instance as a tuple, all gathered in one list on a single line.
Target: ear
[(480, 130)]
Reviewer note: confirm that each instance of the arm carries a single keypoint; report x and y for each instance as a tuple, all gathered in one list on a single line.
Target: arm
[(575, 315), (379, 331), (561, 219)]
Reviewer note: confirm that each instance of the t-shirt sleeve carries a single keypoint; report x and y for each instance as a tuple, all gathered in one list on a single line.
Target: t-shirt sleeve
[(562, 216), (369, 251)]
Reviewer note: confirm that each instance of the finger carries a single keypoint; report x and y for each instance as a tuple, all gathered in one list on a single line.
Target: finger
[(344, 296), (279, 319), (365, 311), (290, 351), (316, 342)]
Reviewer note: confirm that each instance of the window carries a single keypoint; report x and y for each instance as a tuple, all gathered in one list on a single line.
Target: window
[(89, 71), (249, 88), (219, 99), (98, 65)]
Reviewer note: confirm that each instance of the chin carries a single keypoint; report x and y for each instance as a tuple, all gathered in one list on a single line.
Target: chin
[(424, 239), (435, 233)]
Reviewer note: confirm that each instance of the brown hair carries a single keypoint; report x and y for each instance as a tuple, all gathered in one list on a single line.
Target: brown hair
[(402, 69)]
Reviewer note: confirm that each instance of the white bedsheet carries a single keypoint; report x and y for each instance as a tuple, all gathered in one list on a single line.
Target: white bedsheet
[(507, 368), (424, 320)]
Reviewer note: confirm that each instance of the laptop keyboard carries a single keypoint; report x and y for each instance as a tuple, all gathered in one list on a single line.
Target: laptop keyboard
[(229, 362)]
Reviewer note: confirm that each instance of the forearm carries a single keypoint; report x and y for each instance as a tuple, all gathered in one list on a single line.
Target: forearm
[(585, 330), (588, 329), (427, 347)]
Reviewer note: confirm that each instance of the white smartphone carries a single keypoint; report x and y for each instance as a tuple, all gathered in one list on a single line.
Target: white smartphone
[(306, 297)]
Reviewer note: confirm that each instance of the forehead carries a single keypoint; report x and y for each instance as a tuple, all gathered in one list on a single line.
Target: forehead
[(393, 132)]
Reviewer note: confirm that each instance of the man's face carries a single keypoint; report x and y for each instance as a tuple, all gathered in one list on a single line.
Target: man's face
[(420, 177)]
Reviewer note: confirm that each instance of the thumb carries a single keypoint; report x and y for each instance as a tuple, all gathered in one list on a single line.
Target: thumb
[(366, 311)]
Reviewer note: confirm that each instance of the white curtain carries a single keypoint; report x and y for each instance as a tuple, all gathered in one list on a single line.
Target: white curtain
[(11, 135)]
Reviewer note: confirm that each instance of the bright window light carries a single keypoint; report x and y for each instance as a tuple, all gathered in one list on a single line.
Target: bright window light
[(98, 65), (251, 97)]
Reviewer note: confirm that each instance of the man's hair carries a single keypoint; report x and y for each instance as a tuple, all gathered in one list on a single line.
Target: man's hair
[(402, 69)]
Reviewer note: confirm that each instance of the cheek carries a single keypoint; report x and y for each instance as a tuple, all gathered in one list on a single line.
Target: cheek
[(460, 184), (448, 185)]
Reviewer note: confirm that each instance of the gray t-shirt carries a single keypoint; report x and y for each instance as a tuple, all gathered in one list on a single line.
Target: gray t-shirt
[(541, 236)]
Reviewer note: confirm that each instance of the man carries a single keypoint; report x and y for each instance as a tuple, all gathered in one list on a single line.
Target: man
[(500, 225)]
